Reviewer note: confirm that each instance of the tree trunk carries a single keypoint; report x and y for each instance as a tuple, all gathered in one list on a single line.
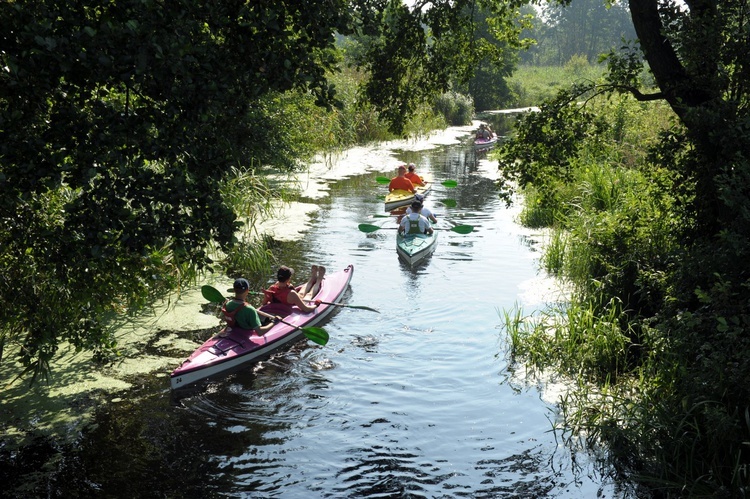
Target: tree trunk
[(681, 91)]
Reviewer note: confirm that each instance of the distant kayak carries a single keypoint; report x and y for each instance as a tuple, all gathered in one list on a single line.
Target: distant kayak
[(485, 143)]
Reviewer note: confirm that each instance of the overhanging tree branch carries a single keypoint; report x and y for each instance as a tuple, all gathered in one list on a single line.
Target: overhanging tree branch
[(680, 89)]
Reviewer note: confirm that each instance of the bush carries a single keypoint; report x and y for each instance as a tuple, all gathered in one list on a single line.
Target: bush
[(655, 334), (457, 109)]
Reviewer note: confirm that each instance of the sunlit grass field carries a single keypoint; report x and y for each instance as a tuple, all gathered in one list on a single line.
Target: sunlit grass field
[(532, 84)]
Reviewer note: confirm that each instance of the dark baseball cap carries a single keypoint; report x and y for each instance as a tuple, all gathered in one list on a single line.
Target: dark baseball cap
[(240, 284)]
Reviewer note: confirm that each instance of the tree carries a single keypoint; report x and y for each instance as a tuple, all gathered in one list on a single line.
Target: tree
[(496, 62), (698, 55), (582, 28), (692, 395), (118, 122), (414, 53)]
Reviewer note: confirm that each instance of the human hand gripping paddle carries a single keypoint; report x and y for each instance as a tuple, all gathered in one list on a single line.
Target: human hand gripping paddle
[(315, 334), (459, 229)]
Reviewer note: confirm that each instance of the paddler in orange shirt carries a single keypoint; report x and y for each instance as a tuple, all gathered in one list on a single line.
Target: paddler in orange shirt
[(411, 175), (401, 182)]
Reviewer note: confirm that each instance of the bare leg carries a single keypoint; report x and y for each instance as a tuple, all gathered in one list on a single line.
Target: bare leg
[(311, 282), (318, 282)]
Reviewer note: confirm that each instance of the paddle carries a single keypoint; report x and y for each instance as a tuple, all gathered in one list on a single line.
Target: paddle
[(362, 307), (386, 180), (459, 229), (315, 334)]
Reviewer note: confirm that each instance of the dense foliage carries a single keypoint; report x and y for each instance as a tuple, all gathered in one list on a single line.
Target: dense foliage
[(496, 62), (653, 234), (414, 53), (457, 109), (584, 28), (118, 123)]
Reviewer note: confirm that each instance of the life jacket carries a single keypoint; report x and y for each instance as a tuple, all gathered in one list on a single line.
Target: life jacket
[(414, 226), (276, 295), (229, 317)]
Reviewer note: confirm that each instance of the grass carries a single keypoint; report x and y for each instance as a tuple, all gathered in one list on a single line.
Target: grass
[(533, 84), (664, 394), (582, 340)]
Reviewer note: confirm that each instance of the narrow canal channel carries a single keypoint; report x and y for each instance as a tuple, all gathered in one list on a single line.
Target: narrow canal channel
[(416, 401)]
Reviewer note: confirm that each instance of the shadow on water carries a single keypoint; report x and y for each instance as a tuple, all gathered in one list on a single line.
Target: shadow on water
[(137, 447)]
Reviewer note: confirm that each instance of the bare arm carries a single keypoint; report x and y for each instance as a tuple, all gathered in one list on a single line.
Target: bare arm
[(294, 299)]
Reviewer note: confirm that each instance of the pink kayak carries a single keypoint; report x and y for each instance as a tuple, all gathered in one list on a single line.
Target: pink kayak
[(220, 355), (485, 143)]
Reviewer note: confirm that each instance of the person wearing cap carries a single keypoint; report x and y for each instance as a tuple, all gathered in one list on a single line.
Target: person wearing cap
[(415, 222), (241, 312), (284, 292), (411, 175), (401, 182), (425, 212)]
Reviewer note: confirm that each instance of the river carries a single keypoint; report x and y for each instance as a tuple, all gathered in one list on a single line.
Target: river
[(416, 401)]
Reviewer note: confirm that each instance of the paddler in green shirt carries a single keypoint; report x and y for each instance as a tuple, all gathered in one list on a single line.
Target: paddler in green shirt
[(237, 312)]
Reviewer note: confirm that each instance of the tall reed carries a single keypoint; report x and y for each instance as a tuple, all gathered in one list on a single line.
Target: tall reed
[(662, 390)]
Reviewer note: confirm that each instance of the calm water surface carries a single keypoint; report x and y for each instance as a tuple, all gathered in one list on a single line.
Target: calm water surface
[(416, 401)]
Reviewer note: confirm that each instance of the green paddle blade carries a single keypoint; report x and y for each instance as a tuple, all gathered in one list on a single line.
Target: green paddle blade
[(367, 228), (462, 229), (316, 335), (212, 294), (383, 180), (459, 229), (450, 203), (450, 183)]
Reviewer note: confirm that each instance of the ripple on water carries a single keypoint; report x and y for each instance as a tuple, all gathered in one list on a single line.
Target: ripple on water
[(412, 402)]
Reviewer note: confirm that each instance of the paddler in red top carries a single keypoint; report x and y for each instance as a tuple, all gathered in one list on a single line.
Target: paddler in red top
[(283, 292), (401, 182), (411, 175)]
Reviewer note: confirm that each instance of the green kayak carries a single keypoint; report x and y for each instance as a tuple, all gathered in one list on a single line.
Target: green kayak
[(413, 248)]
